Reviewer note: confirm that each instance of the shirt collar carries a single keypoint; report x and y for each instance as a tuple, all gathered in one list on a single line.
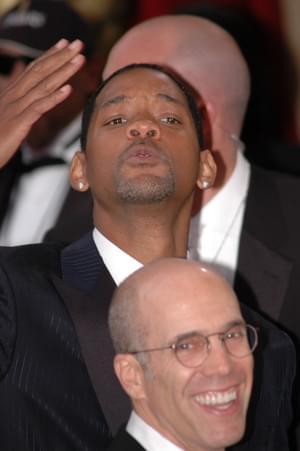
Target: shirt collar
[(148, 437), (218, 213), (119, 264)]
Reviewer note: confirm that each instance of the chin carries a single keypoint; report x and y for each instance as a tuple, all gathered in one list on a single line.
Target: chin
[(229, 436)]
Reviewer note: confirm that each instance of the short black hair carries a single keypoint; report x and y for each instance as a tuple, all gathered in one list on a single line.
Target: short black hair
[(178, 80)]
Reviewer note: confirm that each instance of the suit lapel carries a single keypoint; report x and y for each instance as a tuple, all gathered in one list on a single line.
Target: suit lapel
[(86, 290), (124, 442), (262, 276)]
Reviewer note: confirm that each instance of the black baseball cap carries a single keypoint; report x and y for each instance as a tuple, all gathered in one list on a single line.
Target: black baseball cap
[(32, 29)]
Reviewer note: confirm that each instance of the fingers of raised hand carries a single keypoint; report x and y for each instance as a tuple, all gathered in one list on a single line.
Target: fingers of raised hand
[(42, 78), (40, 88), (48, 72), (15, 127)]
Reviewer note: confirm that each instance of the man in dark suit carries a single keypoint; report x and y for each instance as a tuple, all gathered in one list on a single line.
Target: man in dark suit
[(133, 150), (189, 378), (247, 224), (138, 173)]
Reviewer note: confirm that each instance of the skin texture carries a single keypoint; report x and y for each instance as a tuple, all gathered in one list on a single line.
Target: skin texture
[(208, 58), (192, 298), (41, 87), (142, 163)]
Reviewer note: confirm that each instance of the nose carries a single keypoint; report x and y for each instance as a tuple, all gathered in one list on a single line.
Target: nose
[(218, 360), (143, 129)]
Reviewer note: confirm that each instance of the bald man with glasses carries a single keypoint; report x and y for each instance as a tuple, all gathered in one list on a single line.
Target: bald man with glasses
[(183, 356)]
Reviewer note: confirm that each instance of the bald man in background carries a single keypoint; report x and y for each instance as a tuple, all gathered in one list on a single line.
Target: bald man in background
[(190, 384), (247, 224)]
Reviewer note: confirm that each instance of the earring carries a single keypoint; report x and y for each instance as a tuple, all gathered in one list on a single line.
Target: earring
[(80, 185), (204, 184)]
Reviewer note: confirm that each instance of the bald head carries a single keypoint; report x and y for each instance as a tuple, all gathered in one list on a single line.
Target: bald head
[(161, 289), (200, 51)]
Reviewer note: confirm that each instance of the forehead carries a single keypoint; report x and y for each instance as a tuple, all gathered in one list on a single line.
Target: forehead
[(142, 82), (191, 304)]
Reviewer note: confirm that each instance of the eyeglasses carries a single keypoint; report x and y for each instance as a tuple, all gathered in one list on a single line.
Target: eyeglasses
[(191, 350), (7, 63)]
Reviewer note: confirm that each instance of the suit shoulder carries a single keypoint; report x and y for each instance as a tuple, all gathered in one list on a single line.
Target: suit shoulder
[(273, 194), (284, 181), (273, 337), (41, 256)]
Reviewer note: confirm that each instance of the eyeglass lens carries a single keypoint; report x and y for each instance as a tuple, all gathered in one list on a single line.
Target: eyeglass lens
[(239, 341)]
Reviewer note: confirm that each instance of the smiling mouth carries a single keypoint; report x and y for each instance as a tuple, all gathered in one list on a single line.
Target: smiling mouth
[(217, 398)]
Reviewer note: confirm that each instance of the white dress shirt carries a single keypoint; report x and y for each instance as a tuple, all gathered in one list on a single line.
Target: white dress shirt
[(148, 437), (39, 195), (119, 264), (215, 231)]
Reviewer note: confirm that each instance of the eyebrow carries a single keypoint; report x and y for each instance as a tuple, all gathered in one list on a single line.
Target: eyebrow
[(114, 101), (122, 98), (225, 328), (169, 98)]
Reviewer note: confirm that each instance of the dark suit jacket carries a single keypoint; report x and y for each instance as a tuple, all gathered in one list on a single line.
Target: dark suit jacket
[(52, 398), (124, 442), (268, 273), (47, 399)]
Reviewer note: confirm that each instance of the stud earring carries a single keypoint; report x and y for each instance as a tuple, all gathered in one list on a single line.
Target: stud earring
[(204, 184)]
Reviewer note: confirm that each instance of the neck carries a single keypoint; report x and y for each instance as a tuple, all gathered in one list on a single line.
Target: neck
[(146, 232)]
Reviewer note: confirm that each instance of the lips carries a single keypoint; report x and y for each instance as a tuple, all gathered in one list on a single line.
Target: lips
[(143, 153)]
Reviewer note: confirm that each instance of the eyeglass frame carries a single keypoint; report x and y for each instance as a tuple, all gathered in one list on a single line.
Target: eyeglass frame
[(222, 338)]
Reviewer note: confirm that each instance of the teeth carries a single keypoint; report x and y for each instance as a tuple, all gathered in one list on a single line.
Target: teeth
[(216, 398)]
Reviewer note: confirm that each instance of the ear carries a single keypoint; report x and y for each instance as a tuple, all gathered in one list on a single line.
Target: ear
[(207, 170), (78, 176), (130, 375), (211, 111), (208, 114)]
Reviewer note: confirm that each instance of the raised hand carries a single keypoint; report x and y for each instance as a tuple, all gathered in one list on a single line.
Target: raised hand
[(41, 87)]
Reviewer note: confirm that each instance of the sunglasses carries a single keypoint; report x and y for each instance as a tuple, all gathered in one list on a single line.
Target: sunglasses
[(7, 63)]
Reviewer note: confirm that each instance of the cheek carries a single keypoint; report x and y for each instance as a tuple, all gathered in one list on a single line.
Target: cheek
[(102, 155), (248, 369), (187, 152), (170, 383)]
